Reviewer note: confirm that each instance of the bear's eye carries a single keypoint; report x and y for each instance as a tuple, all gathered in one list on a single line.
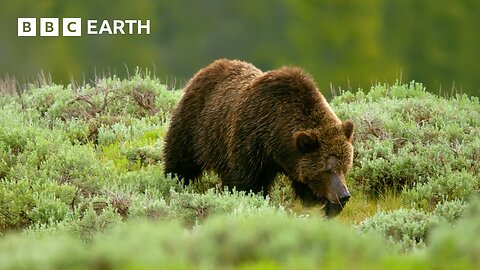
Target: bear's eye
[(306, 142), (331, 163)]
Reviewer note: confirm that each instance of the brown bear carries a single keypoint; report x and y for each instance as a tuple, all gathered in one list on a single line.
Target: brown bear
[(248, 126)]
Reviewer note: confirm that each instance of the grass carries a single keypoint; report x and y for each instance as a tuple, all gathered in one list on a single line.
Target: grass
[(361, 207)]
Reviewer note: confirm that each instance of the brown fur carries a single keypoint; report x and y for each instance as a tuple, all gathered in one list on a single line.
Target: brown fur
[(248, 126)]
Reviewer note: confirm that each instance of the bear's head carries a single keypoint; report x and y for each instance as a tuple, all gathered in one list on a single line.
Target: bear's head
[(325, 156)]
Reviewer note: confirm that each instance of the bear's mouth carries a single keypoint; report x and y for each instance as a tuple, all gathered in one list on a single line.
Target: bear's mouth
[(310, 198), (332, 209)]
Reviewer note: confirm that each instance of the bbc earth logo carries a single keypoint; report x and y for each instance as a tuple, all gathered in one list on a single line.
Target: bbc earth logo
[(72, 27)]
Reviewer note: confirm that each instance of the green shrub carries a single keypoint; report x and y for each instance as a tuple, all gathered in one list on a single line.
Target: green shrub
[(15, 202), (140, 96), (43, 176), (448, 187), (457, 247), (409, 227), (49, 101), (271, 240), (275, 240), (281, 192), (93, 215), (450, 211), (94, 219), (35, 200), (192, 208), (32, 252), (76, 130), (149, 179), (47, 209)]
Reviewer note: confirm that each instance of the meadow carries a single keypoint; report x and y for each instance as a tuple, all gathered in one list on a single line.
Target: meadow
[(82, 186)]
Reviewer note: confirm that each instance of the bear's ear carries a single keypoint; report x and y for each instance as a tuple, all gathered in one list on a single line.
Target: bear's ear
[(306, 141), (348, 126)]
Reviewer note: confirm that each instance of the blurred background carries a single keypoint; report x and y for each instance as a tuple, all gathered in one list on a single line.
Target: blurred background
[(343, 44)]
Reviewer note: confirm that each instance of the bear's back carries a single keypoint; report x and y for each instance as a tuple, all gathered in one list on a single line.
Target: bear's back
[(222, 75)]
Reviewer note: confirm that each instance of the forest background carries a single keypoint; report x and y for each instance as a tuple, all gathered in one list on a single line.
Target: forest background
[(343, 44)]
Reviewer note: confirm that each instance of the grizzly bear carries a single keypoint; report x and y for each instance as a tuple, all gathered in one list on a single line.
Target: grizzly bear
[(248, 126)]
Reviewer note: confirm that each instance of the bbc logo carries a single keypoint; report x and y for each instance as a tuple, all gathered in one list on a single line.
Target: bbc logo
[(72, 27), (49, 27)]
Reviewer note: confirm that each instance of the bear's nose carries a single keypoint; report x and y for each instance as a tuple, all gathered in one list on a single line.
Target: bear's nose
[(344, 199)]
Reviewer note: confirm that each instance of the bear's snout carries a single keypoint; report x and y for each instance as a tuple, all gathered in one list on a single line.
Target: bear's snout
[(338, 192)]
